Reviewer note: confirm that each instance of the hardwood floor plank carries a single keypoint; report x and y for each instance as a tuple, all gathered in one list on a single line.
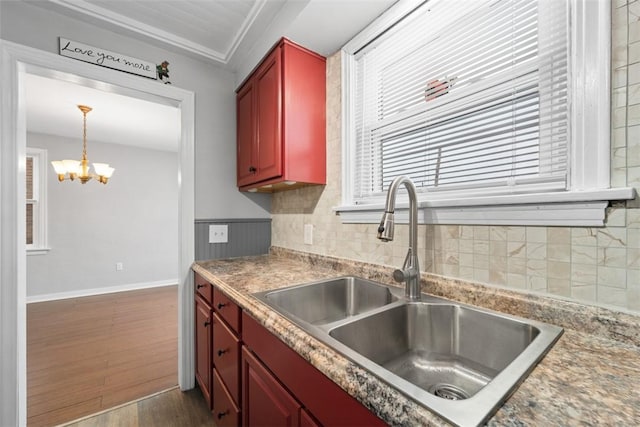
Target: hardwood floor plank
[(126, 359), (90, 367), (51, 399), (119, 395), (92, 353)]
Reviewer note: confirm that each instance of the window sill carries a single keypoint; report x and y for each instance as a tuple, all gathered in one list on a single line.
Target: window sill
[(38, 251), (573, 208)]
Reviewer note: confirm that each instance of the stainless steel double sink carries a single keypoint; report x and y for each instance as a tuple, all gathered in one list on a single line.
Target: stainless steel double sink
[(461, 362)]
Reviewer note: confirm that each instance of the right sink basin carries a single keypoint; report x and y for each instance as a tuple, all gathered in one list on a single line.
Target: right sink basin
[(460, 361), (448, 350)]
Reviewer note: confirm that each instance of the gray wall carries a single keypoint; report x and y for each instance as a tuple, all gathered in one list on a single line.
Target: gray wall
[(216, 195), (133, 219)]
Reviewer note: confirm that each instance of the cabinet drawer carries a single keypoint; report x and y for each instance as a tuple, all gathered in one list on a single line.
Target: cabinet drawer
[(203, 316), (226, 356), (227, 310), (203, 288), (225, 411)]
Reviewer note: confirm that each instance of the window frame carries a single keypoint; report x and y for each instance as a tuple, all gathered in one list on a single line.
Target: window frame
[(40, 235), (583, 204)]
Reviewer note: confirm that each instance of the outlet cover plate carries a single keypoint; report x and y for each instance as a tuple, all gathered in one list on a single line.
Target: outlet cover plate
[(218, 233), (308, 234)]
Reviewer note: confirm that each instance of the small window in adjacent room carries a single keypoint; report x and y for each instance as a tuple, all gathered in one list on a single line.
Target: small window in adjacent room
[(36, 209), (481, 104)]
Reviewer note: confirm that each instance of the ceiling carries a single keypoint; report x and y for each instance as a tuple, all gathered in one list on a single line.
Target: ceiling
[(52, 109), (233, 34)]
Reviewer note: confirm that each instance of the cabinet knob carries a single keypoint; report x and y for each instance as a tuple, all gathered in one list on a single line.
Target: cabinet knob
[(221, 305), (252, 169), (207, 323), (200, 286), (222, 414), (221, 352)]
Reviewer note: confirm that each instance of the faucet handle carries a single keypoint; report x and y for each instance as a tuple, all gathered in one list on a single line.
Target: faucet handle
[(400, 275)]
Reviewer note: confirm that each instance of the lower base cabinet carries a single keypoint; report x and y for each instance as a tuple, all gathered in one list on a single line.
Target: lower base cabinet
[(266, 402), (203, 348), (249, 377), (273, 375)]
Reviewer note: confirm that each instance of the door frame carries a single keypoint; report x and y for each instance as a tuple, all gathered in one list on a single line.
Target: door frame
[(15, 62)]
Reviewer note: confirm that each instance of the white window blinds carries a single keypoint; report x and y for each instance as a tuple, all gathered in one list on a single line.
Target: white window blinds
[(465, 97)]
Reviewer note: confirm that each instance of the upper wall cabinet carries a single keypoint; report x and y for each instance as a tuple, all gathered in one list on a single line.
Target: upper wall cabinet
[(281, 121)]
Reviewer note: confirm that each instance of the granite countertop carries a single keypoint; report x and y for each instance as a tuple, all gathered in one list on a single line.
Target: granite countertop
[(589, 377)]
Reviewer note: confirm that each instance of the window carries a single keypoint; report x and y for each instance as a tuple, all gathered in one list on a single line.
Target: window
[(36, 217), (479, 104)]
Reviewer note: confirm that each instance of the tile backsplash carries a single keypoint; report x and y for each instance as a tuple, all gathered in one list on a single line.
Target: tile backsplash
[(592, 265)]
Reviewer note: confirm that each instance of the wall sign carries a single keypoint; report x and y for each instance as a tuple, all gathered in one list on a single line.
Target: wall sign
[(105, 58)]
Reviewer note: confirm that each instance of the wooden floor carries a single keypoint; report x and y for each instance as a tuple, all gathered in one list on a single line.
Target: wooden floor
[(168, 409), (85, 355)]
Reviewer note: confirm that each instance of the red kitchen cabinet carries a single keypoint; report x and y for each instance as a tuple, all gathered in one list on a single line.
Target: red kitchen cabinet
[(203, 347), (281, 111), (226, 357), (217, 351), (307, 420), (249, 377), (265, 402), (325, 400), (245, 135)]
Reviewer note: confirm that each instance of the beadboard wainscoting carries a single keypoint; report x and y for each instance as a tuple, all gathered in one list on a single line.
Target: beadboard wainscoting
[(246, 237)]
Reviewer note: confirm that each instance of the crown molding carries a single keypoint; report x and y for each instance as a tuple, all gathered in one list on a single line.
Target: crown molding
[(121, 21)]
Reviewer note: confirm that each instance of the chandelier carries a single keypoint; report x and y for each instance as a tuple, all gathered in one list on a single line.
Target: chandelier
[(72, 169)]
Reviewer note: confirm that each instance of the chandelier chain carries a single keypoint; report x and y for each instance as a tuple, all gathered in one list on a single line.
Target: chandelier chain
[(84, 137)]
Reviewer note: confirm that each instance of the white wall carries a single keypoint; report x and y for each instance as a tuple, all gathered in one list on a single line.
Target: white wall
[(216, 195), (133, 219)]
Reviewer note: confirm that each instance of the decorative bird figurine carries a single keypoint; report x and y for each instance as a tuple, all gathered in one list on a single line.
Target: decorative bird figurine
[(163, 72)]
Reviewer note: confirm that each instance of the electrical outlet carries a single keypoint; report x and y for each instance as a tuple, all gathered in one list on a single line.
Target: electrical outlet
[(218, 233), (119, 266), (308, 234)]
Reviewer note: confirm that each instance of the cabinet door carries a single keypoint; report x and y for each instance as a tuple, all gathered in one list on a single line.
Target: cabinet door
[(268, 87), (307, 420), (203, 348), (246, 134), (264, 401)]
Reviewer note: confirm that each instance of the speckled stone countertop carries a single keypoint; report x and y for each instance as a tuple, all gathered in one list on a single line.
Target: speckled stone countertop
[(590, 377)]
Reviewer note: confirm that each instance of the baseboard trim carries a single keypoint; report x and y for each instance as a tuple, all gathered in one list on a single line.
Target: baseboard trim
[(100, 291)]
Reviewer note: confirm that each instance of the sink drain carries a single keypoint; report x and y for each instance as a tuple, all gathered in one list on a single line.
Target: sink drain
[(448, 391)]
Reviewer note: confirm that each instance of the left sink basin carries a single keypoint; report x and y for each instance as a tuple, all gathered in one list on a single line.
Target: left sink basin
[(328, 301)]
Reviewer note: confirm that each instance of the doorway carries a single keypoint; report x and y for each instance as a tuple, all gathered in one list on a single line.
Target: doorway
[(17, 60), (102, 298)]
